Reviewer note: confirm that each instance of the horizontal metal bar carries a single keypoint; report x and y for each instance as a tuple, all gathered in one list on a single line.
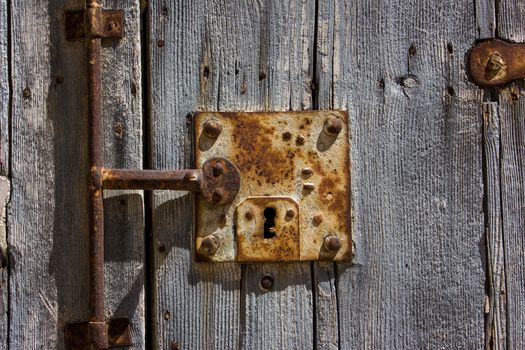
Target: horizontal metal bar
[(181, 180)]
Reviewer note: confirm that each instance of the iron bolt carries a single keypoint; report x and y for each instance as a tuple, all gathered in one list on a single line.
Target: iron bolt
[(332, 243), (266, 283), (210, 244), (218, 169), (300, 140), (192, 177), (290, 213), (494, 63), (309, 186), (307, 172), (287, 136), (333, 126), (212, 128), (248, 215), (318, 219), (112, 25)]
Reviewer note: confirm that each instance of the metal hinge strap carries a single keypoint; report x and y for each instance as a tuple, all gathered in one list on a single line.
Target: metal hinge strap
[(94, 22)]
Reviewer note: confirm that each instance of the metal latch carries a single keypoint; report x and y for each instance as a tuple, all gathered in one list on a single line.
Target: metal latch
[(495, 62), (272, 186), (294, 197)]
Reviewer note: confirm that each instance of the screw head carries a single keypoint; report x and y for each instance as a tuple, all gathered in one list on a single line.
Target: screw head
[(218, 169), (309, 186), (290, 213), (495, 62), (210, 244), (248, 215), (332, 243), (192, 177), (212, 128), (112, 25), (307, 172), (333, 126), (266, 283)]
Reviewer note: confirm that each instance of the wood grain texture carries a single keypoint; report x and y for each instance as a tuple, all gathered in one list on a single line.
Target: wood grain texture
[(223, 55), (511, 17), (496, 309), (512, 109), (5, 188), (4, 167), (48, 225), (417, 280), (4, 88)]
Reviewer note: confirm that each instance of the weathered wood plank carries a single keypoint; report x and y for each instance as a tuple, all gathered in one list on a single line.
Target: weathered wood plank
[(4, 167), (511, 20), (512, 127), (48, 232), (4, 88), (223, 55), (417, 280), (5, 188), (496, 332)]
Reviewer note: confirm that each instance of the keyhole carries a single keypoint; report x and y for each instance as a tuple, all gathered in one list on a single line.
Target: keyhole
[(269, 223)]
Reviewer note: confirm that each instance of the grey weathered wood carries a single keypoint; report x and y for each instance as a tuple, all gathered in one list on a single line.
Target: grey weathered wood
[(511, 20), (223, 55), (4, 88), (48, 226), (4, 167), (496, 329), (417, 280), (512, 109), (485, 13), (5, 188)]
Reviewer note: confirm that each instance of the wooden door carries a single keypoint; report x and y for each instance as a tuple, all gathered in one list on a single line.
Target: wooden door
[(438, 181)]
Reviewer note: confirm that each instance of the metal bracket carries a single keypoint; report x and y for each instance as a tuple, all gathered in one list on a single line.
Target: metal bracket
[(293, 203), (495, 62), (94, 23), (117, 333)]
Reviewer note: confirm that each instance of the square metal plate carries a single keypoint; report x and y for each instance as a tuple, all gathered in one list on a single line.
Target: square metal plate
[(294, 199)]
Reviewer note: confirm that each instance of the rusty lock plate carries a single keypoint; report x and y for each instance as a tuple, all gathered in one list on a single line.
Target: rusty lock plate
[(294, 198)]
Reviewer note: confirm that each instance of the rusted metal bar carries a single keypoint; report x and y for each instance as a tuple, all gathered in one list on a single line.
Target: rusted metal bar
[(496, 62), (218, 181), (182, 180), (98, 329)]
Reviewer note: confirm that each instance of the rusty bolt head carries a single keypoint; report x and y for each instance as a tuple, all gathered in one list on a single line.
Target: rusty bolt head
[(266, 283), (332, 243), (495, 62), (192, 177), (212, 128), (112, 25), (317, 219), (307, 172), (218, 169), (287, 136), (309, 186), (248, 215), (290, 213), (217, 195), (333, 126), (210, 244)]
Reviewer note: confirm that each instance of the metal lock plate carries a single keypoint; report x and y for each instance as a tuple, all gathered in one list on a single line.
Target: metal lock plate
[(294, 197)]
